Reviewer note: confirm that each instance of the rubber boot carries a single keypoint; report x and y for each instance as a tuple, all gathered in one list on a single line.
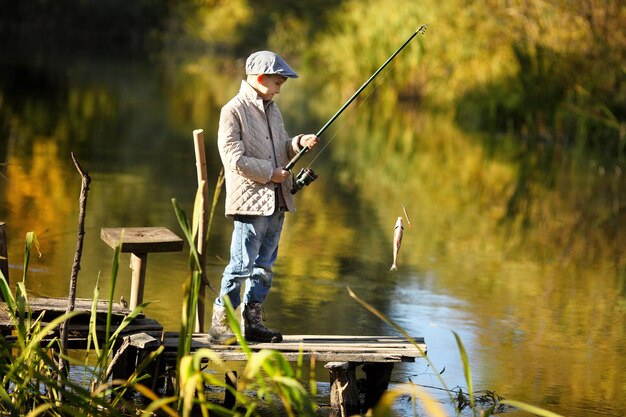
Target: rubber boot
[(254, 331), (220, 330)]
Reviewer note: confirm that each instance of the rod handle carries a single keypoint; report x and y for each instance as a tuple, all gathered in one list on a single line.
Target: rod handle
[(296, 158)]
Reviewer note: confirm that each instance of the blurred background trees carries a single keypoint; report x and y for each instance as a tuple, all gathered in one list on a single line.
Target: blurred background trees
[(547, 71)]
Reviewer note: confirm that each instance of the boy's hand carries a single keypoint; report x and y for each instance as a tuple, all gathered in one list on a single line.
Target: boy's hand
[(309, 141), (280, 175)]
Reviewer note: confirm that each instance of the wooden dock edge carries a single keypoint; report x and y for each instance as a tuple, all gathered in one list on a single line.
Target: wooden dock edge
[(342, 354)]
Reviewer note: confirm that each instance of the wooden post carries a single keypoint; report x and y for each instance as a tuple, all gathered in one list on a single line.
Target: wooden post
[(376, 382), (138, 264), (4, 257), (124, 361), (231, 381), (344, 395), (198, 140)]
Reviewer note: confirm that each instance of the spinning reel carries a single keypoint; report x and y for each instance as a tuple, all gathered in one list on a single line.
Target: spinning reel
[(304, 178)]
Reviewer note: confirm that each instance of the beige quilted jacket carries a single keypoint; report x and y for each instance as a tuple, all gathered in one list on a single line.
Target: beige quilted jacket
[(245, 145)]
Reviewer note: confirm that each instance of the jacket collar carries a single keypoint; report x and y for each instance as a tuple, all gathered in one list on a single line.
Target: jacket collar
[(249, 93)]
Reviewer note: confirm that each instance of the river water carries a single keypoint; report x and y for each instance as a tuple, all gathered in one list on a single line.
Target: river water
[(515, 247)]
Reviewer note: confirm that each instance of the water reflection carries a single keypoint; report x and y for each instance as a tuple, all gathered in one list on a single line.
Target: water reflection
[(516, 249)]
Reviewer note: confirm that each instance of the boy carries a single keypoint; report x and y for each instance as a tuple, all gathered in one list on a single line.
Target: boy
[(254, 148)]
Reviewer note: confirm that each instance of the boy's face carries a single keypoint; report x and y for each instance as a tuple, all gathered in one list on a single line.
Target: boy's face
[(269, 85)]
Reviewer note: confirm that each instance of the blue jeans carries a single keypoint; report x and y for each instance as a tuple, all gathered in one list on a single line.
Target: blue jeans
[(253, 251)]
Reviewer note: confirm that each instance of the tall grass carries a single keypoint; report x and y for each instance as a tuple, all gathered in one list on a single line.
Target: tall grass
[(30, 384), (267, 379)]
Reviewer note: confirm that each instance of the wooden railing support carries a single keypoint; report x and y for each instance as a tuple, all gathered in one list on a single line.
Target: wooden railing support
[(344, 395)]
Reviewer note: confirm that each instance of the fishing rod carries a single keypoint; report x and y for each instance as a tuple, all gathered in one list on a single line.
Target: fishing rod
[(306, 175)]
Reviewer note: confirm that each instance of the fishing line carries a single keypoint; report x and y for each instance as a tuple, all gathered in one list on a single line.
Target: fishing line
[(306, 175), (383, 79)]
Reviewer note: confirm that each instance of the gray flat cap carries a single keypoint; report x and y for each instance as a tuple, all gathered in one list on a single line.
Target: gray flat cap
[(267, 62)]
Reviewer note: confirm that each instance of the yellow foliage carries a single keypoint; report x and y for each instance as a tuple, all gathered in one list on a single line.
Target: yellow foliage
[(220, 20)]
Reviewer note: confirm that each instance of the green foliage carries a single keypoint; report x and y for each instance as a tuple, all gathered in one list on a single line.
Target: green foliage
[(245, 25), (31, 239), (28, 370), (547, 70), (531, 408), (466, 370), (193, 281), (266, 376), (102, 369)]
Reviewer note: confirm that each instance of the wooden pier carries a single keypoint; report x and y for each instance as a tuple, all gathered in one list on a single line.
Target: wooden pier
[(342, 354)]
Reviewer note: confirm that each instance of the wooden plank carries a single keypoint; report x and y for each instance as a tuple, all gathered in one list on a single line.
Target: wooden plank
[(6, 323), (345, 339), (78, 333), (136, 326), (142, 239), (335, 348), (240, 356), (403, 350), (54, 307), (143, 341), (37, 304)]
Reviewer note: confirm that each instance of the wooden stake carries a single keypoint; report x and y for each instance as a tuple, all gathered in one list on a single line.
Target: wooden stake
[(198, 140), (138, 264), (71, 299)]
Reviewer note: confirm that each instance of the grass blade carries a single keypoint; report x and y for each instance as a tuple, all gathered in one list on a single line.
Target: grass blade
[(31, 238), (387, 320), (531, 408), (466, 370)]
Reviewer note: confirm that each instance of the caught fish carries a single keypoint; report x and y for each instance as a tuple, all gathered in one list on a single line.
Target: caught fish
[(398, 230)]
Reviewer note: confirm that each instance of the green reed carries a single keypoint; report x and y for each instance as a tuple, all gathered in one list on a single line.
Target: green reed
[(106, 356), (29, 383)]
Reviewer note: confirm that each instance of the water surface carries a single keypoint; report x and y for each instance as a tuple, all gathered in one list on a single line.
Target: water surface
[(516, 248)]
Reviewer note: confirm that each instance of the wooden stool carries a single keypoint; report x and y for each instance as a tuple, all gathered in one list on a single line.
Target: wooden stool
[(140, 241)]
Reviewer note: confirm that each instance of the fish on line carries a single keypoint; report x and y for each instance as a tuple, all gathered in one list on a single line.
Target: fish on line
[(398, 231)]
